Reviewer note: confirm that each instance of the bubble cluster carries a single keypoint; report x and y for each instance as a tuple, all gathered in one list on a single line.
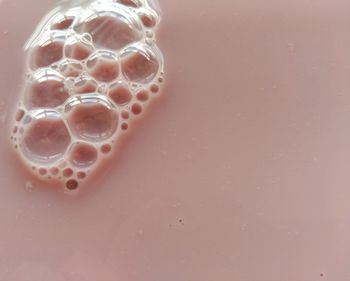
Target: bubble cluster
[(92, 66)]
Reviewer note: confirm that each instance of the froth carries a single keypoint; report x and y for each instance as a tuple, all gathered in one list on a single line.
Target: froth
[(91, 67)]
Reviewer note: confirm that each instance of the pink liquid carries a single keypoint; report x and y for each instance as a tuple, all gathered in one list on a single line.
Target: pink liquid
[(238, 172)]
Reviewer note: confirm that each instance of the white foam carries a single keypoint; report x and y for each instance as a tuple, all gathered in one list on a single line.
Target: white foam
[(118, 36)]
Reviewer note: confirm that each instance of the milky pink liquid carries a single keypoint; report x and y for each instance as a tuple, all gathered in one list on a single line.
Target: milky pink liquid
[(239, 172)]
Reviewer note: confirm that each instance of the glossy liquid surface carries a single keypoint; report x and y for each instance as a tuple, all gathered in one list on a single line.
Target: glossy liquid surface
[(239, 172)]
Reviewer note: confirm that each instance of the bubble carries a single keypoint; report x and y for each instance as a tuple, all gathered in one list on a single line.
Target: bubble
[(142, 95), (92, 117), (47, 138), (15, 129), (120, 94), (81, 175), (103, 66), (78, 48), (85, 85), (72, 184), (47, 90), (136, 108), (154, 88), (42, 171), (125, 126), (106, 148), (83, 155), (148, 20), (139, 64), (48, 50), (63, 24), (19, 115), (68, 172), (111, 26), (54, 171), (125, 115), (70, 68)]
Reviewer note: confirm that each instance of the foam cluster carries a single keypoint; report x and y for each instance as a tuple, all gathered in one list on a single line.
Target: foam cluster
[(91, 67)]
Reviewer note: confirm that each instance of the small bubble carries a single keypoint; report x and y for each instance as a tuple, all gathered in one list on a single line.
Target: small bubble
[(68, 172), (19, 115), (136, 108), (42, 171), (125, 115), (81, 175), (125, 126), (106, 148), (83, 155), (54, 171), (72, 184), (142, 95), (120, 94), (154, 88), (148, 20)]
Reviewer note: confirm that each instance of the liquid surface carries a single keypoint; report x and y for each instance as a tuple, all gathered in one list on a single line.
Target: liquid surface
[(239, 172)]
